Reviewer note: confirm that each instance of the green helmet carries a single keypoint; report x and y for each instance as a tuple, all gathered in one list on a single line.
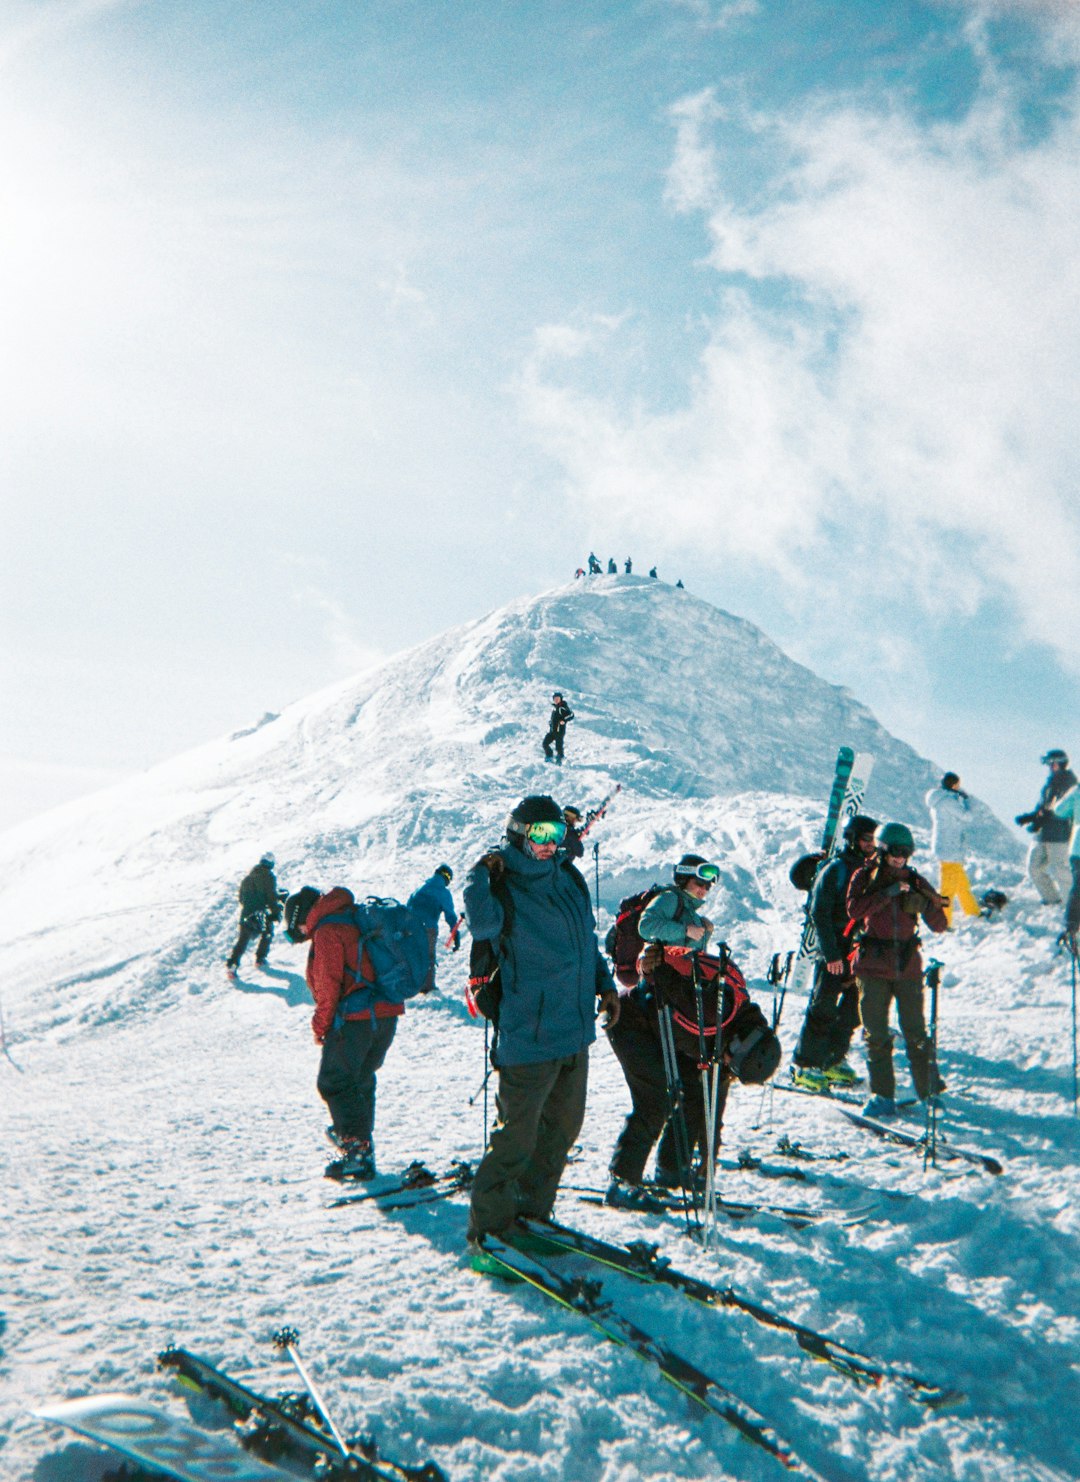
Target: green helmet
[(895, 836)]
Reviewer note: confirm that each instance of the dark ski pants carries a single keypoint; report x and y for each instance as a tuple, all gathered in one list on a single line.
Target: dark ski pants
[(350, 1058), (832, 1016), (557, 736), (635, 1039), (876, 996), (248, 931), (540, 1109)]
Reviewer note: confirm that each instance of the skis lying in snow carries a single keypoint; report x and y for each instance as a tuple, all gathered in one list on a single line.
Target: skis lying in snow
[(654, 1199), (642, 1261), (165, 1443), (288, 1428), (918, 1140), (587, 1298), (418, 1182)]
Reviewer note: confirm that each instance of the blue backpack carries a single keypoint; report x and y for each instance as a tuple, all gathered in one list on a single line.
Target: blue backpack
[(394, 955)]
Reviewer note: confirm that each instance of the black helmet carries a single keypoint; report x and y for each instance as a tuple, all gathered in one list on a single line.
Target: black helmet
[(446, 871), (536, 808), (556, 695), (296, 911), (755, 1056), (859, 826), (950, 780), (268, 859), (1055, 754), (570, 809), (697, 867)]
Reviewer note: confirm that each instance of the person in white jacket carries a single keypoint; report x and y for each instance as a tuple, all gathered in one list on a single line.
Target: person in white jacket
[(949, 811)]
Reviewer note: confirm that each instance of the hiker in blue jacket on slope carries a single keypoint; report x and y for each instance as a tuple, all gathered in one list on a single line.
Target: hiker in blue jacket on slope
[(432, 900), (533, 906)]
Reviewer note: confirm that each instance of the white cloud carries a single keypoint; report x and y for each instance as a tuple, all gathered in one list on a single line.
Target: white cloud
[(894, 371)]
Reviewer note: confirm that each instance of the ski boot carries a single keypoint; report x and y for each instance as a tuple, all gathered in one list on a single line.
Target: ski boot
[(842, 1075), (809, 1078), (881, 1108)]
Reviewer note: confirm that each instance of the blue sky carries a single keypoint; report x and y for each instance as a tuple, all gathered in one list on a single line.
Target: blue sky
[(326, 326)]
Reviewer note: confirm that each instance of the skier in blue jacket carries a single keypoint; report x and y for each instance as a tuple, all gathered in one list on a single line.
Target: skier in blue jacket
[(532, 905), (432, 900)]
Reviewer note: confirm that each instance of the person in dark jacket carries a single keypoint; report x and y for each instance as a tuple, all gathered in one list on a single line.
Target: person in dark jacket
[(832, 1014), (673, 923), (628, 566), (572, 842), (432, 900), (1048, 862), (561, 715), (260, 908), (886, 900), (594, 564), (532, 905), (354, 1041)]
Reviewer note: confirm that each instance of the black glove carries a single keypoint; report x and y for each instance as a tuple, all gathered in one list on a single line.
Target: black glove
[(1023, 819), (455, 943)]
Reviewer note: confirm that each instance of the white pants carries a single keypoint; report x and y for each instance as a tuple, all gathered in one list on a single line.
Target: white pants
[(1048, 866)]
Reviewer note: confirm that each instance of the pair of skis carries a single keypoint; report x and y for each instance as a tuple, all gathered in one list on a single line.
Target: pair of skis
[(642, 1261), (588, 1299), (291, 1429), (417, 1185)]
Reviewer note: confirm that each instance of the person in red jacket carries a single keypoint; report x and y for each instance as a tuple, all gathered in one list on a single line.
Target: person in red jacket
[(354, 1045), (886, 899)]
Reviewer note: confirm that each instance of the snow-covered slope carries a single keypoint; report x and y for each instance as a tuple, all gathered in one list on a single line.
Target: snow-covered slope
[(719, 741), (162, 1140)]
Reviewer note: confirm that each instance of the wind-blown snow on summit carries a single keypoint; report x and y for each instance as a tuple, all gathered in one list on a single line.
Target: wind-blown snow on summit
[(719, 741)]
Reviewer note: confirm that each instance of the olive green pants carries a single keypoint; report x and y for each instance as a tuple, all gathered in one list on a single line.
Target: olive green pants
[(876, 996)]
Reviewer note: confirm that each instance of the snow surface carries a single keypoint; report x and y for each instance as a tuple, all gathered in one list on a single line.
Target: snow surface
[(163, 1139)]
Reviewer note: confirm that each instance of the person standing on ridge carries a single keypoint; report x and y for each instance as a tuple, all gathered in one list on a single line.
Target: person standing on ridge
[(561, 715), (1048, 862), (832, 1014), (432, 900), (949, 809), (652, 573), (354, 1044), (532, 905), (612, 569), (260, 908), (886, 900), (628, 566), (594, 564), (1068, 808)]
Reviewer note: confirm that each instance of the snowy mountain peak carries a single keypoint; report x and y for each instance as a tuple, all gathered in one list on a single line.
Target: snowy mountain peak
[(719, 741)]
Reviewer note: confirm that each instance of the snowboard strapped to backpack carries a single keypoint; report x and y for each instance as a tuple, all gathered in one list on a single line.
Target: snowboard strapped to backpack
[(394, 955)]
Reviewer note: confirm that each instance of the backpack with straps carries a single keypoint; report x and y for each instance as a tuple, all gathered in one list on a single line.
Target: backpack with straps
[(704, 991), (394, 954), (623, 943)]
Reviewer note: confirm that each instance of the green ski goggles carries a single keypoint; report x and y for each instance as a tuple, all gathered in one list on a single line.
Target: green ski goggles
[(546, 833), (710, 873)]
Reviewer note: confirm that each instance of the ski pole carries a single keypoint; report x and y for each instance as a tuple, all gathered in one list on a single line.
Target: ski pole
[(677, 1113), (596, 864), (287, 1339), (1073, 954), (933, 978)]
